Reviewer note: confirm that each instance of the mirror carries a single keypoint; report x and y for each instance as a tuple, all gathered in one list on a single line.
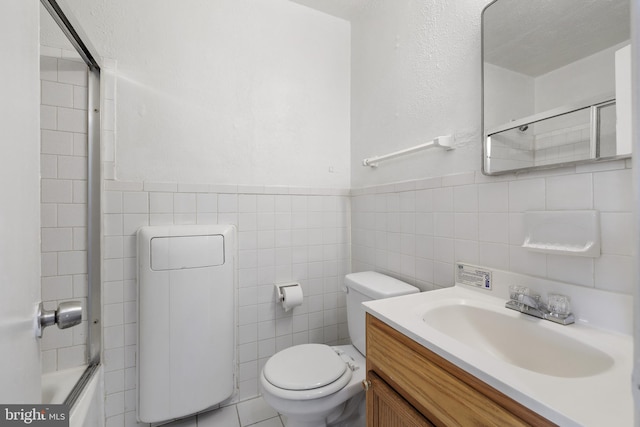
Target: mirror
[(556, 78)]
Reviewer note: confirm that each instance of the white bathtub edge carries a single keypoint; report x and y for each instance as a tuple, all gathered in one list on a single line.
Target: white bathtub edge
[(89, 408)]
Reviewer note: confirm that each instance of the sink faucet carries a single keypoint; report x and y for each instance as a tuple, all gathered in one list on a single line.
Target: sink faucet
[(530, 301), (523, 302), (556, 310)]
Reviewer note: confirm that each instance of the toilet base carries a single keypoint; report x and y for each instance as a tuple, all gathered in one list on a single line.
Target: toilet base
[(306, 418), (353, 414), (350, 414), (315, 420)]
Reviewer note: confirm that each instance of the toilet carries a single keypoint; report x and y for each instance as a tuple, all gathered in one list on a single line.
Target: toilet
[(316, 385)]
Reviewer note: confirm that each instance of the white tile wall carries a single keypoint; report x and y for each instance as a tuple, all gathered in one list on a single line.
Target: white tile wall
[(482, 223), (570, 192), (63, 203), (281, 238)]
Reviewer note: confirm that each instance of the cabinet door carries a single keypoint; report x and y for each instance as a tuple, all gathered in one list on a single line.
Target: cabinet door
[(446, 394), (386, 408)]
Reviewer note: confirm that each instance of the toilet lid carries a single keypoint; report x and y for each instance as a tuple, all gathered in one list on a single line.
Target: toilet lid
[(304, 367)]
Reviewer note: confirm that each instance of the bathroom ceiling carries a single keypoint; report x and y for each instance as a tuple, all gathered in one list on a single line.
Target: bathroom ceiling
[(575, 29), (344, 9), (518, 33)]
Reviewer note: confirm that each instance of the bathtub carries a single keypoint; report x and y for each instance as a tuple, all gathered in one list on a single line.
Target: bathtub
[(88, 409)]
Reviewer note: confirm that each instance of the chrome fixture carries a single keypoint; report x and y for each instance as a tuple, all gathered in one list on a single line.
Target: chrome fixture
[(67, 315), (557, 309)]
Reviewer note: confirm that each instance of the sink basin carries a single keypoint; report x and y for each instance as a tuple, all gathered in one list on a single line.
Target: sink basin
[(518, 339), (576, 376)]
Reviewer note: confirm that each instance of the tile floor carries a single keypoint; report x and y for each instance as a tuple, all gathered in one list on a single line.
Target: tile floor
[(254, 413)]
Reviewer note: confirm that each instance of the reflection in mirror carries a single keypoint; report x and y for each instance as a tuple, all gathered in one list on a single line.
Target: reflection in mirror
[(556, 83)]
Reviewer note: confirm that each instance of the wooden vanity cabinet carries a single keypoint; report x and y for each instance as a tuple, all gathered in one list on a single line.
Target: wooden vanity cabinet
[(411, 386)]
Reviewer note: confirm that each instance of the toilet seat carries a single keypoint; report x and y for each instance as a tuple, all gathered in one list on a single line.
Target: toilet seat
[(306, 371)]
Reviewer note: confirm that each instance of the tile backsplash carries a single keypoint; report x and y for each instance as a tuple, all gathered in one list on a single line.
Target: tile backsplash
[(417, 230)]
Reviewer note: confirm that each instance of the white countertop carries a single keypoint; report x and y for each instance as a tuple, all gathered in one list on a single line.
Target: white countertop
[(603, 399)]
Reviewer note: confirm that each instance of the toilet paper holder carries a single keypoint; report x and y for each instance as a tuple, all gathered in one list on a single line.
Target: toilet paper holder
[(280, 286)]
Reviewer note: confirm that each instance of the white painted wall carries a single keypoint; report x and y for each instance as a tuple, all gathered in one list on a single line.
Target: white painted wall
[(575, 82), (20, 202), (513, 95), (415, 75), (510, 95), (624, 103), (635, 135), (226, 91)]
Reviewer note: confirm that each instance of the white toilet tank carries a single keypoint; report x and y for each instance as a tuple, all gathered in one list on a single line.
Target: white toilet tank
[(368, 286)]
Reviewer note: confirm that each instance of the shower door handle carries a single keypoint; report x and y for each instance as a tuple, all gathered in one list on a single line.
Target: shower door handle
[(67, 315)]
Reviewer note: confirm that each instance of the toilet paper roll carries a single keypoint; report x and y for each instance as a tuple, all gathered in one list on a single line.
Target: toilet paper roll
[(292, 297)]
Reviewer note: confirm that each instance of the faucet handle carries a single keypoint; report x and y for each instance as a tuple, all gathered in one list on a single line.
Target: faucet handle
[(559, 305), (515, 292)]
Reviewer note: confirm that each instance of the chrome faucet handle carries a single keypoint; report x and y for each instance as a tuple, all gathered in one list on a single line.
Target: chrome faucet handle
[(559, 305), (516, 291)]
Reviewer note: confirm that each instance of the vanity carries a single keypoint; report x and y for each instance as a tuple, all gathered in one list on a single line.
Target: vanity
[(412, 385), (457, 356)]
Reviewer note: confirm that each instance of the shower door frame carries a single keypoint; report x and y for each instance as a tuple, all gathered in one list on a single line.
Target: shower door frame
[(62, 15)]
